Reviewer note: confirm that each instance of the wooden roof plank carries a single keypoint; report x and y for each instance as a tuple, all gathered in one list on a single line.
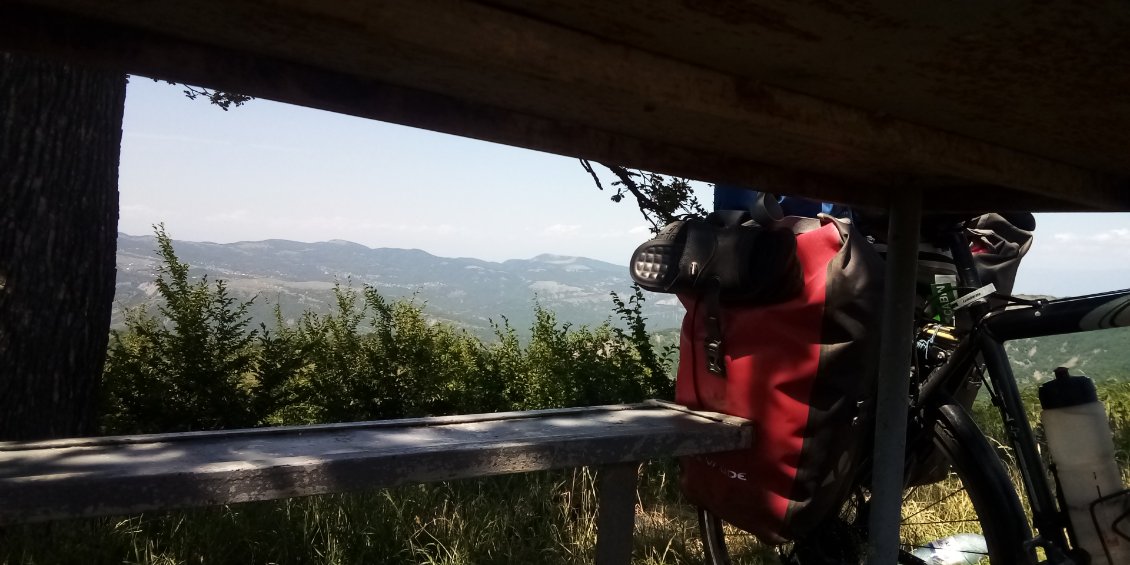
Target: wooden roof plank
[(1042, 77), (472, 69)]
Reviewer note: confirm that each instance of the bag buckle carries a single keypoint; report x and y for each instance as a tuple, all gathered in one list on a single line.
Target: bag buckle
[(713, 330), (714, 362)]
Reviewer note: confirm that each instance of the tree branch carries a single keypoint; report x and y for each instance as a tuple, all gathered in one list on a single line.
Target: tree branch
[(661, 199)]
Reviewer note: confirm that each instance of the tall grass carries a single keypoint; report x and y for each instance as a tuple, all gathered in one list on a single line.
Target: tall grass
[(937, 511), (545, 517)]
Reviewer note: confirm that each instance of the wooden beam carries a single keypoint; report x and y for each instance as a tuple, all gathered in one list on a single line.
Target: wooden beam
[(468, 69), (617, 514), (124, 474), (1041, 77)]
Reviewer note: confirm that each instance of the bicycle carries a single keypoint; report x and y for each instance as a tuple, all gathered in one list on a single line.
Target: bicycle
[(950, 366)]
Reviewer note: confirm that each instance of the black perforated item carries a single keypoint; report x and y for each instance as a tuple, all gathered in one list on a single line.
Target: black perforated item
[(727, 252)]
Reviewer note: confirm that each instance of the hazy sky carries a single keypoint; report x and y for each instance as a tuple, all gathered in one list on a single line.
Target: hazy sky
[(269, 170)]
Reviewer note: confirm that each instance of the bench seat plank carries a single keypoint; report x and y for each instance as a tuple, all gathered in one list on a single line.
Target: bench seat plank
[(124, 474)]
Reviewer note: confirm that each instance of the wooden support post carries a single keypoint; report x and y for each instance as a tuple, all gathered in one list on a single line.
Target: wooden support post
[(616, 518), (894, 373)]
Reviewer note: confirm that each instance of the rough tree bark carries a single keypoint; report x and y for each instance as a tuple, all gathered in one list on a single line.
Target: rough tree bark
[(60, 141)]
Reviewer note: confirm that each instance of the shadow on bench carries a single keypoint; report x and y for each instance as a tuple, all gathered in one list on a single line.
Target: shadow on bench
[(84, 477)]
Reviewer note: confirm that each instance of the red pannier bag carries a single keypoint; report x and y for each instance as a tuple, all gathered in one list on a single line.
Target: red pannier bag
[(802, 370)]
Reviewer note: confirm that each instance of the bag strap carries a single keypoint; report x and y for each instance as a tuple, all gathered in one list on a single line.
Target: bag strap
[(714, 352)]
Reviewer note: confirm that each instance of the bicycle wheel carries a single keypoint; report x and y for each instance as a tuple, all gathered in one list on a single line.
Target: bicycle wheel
[(978, 496)]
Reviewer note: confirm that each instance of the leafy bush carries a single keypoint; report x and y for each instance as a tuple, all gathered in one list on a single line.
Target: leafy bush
[(189, 367), (195, 364)]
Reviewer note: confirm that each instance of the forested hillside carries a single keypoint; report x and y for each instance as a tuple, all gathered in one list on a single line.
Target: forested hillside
[(468, 293), (1102, 355)]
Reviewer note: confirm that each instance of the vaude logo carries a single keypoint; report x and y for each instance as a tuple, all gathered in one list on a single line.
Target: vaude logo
[(729, 474), (732, 474)]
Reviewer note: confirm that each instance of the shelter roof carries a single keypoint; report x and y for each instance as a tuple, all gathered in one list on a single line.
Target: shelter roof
[(1017, 104)]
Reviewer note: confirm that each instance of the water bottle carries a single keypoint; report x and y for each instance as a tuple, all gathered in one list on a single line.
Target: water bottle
[(1082, 447), (960, 549)]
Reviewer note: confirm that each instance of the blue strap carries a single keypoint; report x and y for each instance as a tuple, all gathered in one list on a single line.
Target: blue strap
[(734, 197)]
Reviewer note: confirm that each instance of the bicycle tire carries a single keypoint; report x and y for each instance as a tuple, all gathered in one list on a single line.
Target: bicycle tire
[(975, 464)]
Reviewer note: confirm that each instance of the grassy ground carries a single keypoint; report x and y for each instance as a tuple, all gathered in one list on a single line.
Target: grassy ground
[(535, 518)]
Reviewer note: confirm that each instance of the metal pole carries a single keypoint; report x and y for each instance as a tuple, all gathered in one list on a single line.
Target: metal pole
[(894, 371)]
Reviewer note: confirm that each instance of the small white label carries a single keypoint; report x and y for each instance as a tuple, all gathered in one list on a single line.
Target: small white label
[(734, 474), (974, 296), (726, 472)]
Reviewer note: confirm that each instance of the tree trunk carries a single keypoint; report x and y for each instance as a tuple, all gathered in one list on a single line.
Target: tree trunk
[(60, 141)]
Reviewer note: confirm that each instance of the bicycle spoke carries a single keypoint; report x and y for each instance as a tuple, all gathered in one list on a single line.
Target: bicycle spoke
[(935, 503), (940, 522)]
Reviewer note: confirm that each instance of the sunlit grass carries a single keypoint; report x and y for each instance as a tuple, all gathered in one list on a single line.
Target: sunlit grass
[(937, 511), (547, 517)]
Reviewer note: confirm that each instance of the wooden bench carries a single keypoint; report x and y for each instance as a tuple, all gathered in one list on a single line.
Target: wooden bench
[(125, 474)]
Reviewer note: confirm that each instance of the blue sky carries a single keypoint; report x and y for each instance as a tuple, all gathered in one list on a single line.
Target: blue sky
[(269, 170)]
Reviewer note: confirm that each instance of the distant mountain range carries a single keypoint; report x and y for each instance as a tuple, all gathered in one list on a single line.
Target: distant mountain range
[(467, 292), (471, 292)]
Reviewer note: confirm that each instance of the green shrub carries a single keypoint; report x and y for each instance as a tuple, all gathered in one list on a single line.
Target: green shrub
[(195, 364), (187, 368)]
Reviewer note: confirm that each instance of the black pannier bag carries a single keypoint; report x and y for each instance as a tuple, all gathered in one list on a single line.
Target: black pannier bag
[(998, 243)]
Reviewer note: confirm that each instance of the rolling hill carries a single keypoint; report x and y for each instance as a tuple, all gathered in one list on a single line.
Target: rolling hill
[(468, 292)]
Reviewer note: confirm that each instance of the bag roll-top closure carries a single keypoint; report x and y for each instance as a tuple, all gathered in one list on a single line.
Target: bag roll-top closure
[(727, 252)]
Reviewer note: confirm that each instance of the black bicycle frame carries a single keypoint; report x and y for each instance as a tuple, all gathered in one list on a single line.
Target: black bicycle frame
[(1064, 316), (986, 341)]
